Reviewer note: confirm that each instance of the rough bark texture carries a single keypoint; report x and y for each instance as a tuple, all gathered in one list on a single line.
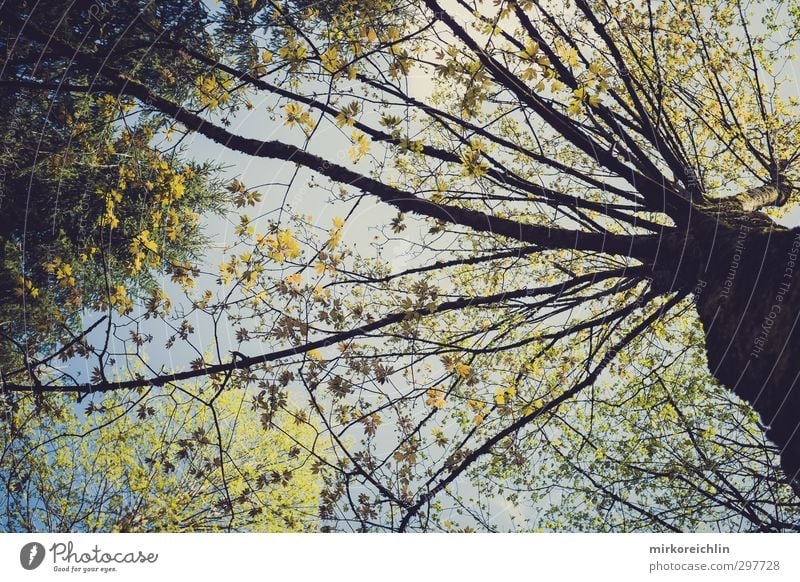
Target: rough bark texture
[(776, 194), (750, 307)]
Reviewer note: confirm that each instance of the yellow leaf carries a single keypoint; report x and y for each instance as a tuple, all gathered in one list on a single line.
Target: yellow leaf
[(462, 369), (360, 146), (294, 281)]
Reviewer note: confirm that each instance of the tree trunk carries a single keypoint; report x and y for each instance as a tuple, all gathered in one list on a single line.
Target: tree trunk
[(749, 304)]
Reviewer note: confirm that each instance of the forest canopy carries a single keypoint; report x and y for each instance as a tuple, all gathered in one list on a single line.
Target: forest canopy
[(413, 265)]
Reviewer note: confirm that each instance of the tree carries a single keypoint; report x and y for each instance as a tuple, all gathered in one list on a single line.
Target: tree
[(93, 213), (586, 199), (152, 463)]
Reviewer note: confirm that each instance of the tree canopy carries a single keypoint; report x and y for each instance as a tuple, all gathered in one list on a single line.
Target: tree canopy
[(152, 463), (498, 266)]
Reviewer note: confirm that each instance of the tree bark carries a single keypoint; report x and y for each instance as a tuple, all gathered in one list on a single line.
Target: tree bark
[(748, 300), (774, 194)]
